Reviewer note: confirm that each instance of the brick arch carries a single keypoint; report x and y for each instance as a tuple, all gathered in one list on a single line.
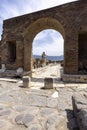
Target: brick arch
[(32, 31)]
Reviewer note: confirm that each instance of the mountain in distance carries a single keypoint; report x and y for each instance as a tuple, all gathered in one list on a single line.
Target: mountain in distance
[(52, 58)]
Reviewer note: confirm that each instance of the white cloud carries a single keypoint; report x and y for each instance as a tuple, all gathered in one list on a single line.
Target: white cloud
[(12, 8), (41, 35), (52, 48)]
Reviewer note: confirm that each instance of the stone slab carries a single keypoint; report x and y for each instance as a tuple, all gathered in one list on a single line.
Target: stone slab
[(79, 102)]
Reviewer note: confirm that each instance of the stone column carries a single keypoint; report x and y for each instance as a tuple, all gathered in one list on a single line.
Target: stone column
[(27, 55), (71, 53)]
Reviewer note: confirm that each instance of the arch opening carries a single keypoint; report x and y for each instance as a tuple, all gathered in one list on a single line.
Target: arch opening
[(52, 43), (35, 28)]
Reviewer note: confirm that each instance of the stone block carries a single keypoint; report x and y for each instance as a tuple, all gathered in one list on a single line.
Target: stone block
[(80, 109), (48, 83), (26, 81)]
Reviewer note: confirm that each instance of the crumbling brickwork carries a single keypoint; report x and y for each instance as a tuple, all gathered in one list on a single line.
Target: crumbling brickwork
[(69, 19)]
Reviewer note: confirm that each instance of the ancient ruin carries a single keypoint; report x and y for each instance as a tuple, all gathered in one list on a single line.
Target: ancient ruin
[(68, 19), (44, 102)]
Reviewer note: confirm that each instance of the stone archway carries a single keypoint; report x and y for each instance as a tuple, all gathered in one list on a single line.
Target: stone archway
[(32, 31)]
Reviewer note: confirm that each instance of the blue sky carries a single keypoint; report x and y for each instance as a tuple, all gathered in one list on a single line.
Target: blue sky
[(48, 40)]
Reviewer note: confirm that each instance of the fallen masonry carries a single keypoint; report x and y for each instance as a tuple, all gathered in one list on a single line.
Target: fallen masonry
[(80, 109)]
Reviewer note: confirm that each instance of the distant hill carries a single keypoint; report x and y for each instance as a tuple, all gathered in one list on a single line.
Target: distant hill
[(52, 58)]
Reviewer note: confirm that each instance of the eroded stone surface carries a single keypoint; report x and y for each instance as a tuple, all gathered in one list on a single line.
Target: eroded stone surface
[(36, 100), (52, 102), (80, 109), (49, 109), (35, 127), (5, 112), (24, 119)]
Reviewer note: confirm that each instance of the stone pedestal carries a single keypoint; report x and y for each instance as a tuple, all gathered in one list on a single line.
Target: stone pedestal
[(26, 81), (48, 83)]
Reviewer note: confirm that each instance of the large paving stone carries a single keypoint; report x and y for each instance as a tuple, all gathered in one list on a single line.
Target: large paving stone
[(19, 119), (5, 112), (24, 119), (5, 98), (20, 108), (2, 124), (24, 100), (62, 104), (35, 126), (79, 102), (52, 127), (19, 127), (28, 118), (39, 92), (36, 100), (47, 111), (52, 102), (56, 122), (33, 110)]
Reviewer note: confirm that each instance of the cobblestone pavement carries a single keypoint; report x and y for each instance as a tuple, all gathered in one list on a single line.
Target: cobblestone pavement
[(35, 108)]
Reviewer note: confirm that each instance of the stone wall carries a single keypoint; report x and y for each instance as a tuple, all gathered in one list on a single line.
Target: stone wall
[(69, 19)]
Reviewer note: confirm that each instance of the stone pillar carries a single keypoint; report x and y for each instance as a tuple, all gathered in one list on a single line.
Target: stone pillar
[(48, 83), (26, 81), (71, 53), (27, 55)]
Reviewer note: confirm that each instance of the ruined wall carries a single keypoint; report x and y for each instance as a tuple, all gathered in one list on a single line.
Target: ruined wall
[(69, 19)]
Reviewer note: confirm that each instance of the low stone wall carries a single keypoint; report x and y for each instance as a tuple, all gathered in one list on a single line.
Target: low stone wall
[(8, 73), (79, 102), (74, 78)]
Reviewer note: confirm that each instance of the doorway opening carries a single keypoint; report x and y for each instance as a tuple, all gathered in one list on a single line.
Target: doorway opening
[(12, 51), (82, 53)]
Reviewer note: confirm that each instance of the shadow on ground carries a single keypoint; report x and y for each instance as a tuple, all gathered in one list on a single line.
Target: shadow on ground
[(72, 122)]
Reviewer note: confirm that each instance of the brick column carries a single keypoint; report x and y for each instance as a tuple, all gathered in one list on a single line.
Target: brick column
[(71, 54), (27, 55)]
